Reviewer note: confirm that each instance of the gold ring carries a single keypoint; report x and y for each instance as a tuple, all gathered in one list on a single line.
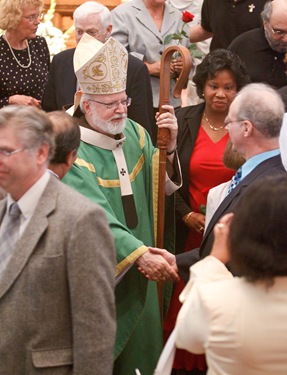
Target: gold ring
[(220, 225)]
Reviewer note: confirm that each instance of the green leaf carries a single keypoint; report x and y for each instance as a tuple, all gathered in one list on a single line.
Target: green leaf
[(184, 33), (202, 209), (168, 39)]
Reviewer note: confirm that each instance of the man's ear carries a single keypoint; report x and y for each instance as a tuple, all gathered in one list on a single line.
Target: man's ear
[(86, 106), (248, 128), (71, 157), (42, 154), (109, 30)]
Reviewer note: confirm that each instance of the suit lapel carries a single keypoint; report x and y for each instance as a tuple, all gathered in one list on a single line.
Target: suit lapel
[(232, 197), (29, 240)]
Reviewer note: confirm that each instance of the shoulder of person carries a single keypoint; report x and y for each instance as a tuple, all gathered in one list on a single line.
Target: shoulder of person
[(190, 111), (64, 54), (247, 36)]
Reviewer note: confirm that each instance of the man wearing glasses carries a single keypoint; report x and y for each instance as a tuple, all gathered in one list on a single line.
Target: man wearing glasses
[(55, 317), (116, 167), (263, 50), (253, 123)]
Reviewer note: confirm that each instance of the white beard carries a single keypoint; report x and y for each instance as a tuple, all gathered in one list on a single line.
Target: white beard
[(108, 126)]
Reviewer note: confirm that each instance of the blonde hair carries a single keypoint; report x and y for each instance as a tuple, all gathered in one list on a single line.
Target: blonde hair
[(12, 11)]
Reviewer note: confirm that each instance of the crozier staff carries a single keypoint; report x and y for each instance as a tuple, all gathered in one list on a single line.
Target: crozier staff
[(24, 57)]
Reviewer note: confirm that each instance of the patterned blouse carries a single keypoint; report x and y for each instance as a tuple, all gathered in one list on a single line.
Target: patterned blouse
[(29, 81)]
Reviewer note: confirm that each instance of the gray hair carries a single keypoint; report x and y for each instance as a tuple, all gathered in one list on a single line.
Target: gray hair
[(84, 97), (263, 106), (93, 7), (32, 126), (266, 12)]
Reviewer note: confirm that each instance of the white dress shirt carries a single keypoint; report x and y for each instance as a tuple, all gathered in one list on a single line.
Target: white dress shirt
[(27, 203)]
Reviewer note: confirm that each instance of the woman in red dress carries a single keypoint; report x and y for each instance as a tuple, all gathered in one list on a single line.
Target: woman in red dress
[(201, 143)]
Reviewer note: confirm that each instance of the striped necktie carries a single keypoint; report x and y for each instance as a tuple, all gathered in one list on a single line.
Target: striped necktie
[(235, 180), (9, 235)]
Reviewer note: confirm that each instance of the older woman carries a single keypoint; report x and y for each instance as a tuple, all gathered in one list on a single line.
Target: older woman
[(142, 26), (201, 144), (240, 322), (24, 57)]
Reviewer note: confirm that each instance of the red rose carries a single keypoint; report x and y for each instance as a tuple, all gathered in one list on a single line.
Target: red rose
[(187, 17)]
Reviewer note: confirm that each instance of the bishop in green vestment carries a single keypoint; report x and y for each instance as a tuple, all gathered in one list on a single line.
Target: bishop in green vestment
[(117, 167)]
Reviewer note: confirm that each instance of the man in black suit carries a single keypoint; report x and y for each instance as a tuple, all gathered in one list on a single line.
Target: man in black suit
[(253, 122), (94, 19)]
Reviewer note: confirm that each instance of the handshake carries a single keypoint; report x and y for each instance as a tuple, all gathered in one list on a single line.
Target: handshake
[(158, 265)]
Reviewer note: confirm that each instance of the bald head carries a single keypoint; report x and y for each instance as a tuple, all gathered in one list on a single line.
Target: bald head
[(263, 106), (274, 16)]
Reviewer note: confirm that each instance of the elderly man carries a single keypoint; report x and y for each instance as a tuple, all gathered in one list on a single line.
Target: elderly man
[(56, 294), (117, 168), (67, 141), (94, 19), (263, 50), (253, 122)]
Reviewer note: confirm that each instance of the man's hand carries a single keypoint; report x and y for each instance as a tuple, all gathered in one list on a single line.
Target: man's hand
[(24, 100), (168, 120), (158, 265)]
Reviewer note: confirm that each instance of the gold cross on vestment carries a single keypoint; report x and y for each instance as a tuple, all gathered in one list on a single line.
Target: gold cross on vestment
[(251, 8)]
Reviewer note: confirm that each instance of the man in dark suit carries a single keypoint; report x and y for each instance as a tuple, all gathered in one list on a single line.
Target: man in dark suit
[(57, 261), (253, 122), (94, 19)]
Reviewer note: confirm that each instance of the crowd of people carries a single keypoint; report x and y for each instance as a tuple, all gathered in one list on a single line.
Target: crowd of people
[(84, 286)]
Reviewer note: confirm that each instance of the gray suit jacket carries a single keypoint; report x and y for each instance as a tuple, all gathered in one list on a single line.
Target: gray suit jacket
[(57, 313), (135, 29)]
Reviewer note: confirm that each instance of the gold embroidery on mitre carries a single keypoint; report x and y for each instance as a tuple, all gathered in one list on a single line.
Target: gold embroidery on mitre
[(105, 72)]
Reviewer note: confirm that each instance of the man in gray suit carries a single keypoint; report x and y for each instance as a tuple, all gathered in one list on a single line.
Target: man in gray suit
[(57, 311)]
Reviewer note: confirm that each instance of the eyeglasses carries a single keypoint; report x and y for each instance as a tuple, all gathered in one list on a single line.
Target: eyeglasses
[(278, 33), (230, 122), (114, 105), (34, 17), (10, 153), (92, 33)]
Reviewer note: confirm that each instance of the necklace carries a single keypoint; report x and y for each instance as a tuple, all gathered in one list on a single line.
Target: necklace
[(18, 62), (211, 126)]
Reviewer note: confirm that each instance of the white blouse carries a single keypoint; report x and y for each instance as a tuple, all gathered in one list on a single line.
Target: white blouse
[(240, 326)]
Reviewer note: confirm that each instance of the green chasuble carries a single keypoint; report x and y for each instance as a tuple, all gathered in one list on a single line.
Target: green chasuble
[(95, 174)]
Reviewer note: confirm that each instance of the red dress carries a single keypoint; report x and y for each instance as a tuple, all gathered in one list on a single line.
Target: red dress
[(206, 170)]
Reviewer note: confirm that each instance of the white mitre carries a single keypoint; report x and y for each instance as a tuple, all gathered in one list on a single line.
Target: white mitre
[(100, 68)]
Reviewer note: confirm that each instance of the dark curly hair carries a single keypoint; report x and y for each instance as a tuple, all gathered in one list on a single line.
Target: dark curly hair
[(258, 232), (216, 61)]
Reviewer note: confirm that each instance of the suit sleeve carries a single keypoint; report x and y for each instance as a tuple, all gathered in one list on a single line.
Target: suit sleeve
[(49, 99), (139, 89), (90, 269)]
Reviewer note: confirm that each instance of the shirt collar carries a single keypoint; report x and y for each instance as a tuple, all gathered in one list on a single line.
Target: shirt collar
[(252, 163), (100, 140), (28, 202)]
